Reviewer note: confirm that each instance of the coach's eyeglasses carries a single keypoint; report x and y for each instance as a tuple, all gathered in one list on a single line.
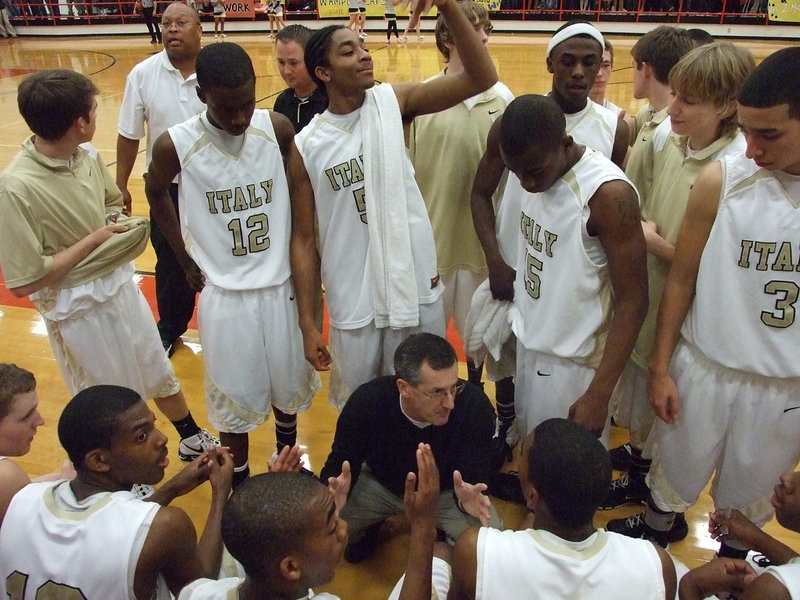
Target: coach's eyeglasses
[(440, 395), (179, 24)]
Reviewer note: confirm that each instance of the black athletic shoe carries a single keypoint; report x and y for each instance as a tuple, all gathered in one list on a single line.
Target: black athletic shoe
[(365, 547), (728, 551), (628, 489), (635, 527), (621, 457)]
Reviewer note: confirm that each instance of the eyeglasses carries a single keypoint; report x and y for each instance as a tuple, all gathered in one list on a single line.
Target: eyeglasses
[(179, 24), (440, 395)]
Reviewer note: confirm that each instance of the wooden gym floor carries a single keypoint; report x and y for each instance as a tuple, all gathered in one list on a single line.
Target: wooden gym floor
[(520, 61)]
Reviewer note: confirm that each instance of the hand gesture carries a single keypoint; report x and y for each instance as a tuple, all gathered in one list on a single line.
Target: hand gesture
[(220, 472), (719, 575), (472, 499), (731, 525), (590, 411), (340, 486), (663, 395), (421, 497), (289, 460)]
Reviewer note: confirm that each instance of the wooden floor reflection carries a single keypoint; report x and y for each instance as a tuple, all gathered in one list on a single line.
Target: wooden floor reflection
[(521, 66)]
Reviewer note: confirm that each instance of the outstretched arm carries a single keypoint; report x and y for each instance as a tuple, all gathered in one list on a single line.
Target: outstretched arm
[(479, 73), (487, 178), (680, 288), (305, 260), (615, 220), (162, 170), (734, 526)]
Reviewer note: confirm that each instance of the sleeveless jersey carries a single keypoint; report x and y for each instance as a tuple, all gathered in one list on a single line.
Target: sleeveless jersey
[(744, 311), (234, 210), (595, 126), (534, 564), (86, 549), (562, 292), (675, 175), (789, 575), (228, 589), (331, 148)]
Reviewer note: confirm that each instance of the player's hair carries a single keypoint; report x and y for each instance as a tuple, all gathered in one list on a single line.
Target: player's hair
[(714, 73), (294, 33), (51, 101), (532, 120), (419, 348), (610, 48), (475, 13), (570, 470), (89, 421), (661, 48), (14, 380), (700, 37), (316, 52), (224, 65), (266, 518), (771, 83)]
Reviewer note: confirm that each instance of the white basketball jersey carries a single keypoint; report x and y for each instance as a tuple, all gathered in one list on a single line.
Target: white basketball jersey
[(595, 127), (789, 575), (234, 204), (744, 312), (534, 564), (562, 292), (52, 546), (228, 589), (332, 151)]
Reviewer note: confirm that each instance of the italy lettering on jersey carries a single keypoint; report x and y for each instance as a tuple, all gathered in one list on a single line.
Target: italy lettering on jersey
[(562, 292), (234, 202), (744, 314), (332, 151)]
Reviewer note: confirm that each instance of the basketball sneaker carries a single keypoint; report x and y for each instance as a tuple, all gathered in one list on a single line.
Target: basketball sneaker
[(194, 445), (628, 489), (635, 527), (621, 457)]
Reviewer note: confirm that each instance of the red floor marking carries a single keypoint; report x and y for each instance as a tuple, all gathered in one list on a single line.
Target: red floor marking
[(15, 72)]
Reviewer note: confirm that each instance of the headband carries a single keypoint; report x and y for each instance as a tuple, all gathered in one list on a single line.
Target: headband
[(572, 31)]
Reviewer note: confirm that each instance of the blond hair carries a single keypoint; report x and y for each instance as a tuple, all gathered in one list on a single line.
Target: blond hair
[(713, 73), (475, 13)]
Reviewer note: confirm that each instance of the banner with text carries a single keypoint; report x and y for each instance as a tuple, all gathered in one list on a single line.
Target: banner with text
[(784, 10), (239, 8)]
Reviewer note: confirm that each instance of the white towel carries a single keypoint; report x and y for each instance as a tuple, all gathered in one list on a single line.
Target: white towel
[(488, 325), (386, 170)]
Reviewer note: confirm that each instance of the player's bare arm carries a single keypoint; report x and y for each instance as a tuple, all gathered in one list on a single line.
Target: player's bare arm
[(679, 288), (284, 131), (163, 168), (305, 260), (615, 220), (479, 72), (668, 572), (67, 259), (12, 480), (465, 566), (127, 149), (487, 178), (619, 152)]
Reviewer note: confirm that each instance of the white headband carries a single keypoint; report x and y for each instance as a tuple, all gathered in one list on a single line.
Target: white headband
[(572, 31)]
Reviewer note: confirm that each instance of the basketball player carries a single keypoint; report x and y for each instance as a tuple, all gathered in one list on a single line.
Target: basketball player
[(574, 56), (233, 244), (565, 473), (287, 531), (704, 129), (350, 173), (445, 177), (581, 293), (19, 419), (64, 243), (160, 93), (723, 374), (90, 537)]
